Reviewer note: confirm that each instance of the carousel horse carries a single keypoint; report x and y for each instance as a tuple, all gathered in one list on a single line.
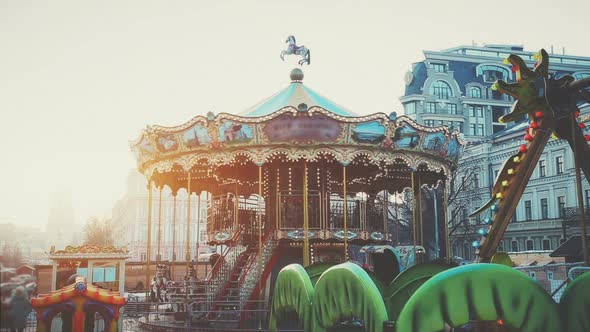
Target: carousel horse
[(297, 50), (158, 285)]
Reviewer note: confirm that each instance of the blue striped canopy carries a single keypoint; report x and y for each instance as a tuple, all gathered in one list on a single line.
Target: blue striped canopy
[(295, 94)]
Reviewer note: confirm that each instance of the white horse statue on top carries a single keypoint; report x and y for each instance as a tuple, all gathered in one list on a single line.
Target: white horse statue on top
[(298, 50)]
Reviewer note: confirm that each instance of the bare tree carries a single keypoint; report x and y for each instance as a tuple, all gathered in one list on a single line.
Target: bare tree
[(98, 232), (11, 255)]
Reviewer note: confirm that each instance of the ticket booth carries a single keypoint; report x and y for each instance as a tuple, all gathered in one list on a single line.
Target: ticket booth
[(102, 266)]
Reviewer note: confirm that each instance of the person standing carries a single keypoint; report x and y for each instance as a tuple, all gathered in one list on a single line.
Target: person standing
[(20, 307)]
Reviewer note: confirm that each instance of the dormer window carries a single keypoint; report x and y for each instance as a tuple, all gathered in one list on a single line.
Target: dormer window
[(441, 89), (493, 72), (474, 92), (438, 67)]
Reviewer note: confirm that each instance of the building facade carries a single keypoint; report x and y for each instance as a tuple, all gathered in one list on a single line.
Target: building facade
[(453, 88), (130, 220)]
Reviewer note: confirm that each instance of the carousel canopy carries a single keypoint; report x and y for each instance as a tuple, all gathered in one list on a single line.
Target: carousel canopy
[(81, 289), (295, 95), (295, 125)]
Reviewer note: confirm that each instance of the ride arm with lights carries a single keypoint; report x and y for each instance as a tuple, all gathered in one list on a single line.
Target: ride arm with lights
[(551, 105)]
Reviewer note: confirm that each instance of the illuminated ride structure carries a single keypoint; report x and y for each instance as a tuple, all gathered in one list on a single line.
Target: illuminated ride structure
[(299, 179)]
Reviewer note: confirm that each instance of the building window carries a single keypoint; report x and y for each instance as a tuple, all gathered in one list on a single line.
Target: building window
[(441, 122), (472, 129), (476, 111), (460, 126), (492, 72), (453, 109), (480, 130), (546, 244), (530, 245), (533, 275), (439, 67), (561, 206), (588, 198), (542, 168), (559, 164), (441, 90), (475, 180), (466, 250), (528, 210), (410, 108), (464, 214), (474, 92), (430, 107), (544, 208), (514, 246), (429, 123), (143, 256), (549, 275)]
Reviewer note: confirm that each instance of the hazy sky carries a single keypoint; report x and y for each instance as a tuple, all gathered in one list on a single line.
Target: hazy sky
[(80, 79)]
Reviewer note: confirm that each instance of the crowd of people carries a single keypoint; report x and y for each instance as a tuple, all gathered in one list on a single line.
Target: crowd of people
[(17, 308)]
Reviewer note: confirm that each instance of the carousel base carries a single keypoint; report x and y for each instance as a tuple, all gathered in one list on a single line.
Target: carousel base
[(171, 322)]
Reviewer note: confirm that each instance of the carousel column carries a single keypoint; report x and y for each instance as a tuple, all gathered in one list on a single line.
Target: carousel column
[(277, 202), (446, 220), (198, 233), (414, 218), (149, 238), (174, 228), (188, 223), (159, 255), (345, 213), (385, 211), (306, 258), (260, 228)]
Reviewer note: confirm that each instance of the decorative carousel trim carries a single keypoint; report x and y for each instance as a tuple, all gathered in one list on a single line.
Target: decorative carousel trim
[(342, 154)]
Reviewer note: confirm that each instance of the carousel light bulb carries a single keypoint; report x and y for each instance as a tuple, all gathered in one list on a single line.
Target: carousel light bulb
[(476, 244), (487, 220), (483, 232), (494, 208)]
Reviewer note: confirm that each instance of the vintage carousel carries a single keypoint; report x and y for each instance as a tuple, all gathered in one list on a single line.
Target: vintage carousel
[(299, 179)]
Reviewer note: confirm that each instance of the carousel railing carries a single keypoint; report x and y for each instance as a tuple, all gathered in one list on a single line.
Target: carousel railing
[(216, 283), (326, 211), (251, 275)]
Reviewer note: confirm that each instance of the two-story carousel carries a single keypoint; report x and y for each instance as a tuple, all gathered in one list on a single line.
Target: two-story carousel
[(300, 179)]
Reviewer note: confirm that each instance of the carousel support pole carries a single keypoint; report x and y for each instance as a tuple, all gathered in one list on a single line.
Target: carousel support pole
[(159, 256), (385, 208), (446, 221), (277, 202), (260, 229), (149, 239), (414, 218), (436, 228), (188, 223), (420, 214), (174, 230), (198, 234), (236, 210), (345, 212), (306, 260)]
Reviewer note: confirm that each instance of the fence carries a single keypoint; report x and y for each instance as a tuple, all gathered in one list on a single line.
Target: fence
[(555, 277)]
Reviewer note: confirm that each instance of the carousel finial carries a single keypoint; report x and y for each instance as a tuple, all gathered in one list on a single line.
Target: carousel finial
[(296, 75)]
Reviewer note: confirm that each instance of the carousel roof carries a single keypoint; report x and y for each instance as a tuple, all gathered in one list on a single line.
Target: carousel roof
[(295, 95), (79, 289)]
